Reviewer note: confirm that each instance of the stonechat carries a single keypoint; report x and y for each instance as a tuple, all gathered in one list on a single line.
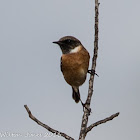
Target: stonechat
[(74, 63)]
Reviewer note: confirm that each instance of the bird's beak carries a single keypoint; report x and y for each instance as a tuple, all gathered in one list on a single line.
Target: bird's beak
[(58, 42)]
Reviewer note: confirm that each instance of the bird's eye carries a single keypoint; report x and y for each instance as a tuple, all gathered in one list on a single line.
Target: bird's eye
[(68, 41)]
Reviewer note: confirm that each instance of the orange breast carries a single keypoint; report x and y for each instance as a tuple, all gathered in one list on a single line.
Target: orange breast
[(75, 67)]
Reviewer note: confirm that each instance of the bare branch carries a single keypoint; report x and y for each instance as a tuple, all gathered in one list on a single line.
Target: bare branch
[(102, 121), (46, 126), (91, 81)]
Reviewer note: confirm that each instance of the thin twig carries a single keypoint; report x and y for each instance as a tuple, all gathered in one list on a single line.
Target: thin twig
[(46, 126), (101, 121), (91, 81)]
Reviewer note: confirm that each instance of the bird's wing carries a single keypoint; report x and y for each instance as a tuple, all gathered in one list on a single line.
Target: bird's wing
[(61, 64)]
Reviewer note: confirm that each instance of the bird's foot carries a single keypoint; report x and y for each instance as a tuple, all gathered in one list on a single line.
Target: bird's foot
[(85, 107), (92, 72)]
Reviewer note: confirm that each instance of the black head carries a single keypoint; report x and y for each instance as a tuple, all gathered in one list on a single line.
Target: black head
[(68, 43)]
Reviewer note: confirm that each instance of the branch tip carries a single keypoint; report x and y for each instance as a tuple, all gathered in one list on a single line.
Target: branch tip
[(102, 121), (46, 126)]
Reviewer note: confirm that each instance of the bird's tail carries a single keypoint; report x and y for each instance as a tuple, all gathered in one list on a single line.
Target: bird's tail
[(76, 94)]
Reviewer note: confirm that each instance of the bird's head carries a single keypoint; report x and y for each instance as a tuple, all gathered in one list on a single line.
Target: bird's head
[(68, 44)]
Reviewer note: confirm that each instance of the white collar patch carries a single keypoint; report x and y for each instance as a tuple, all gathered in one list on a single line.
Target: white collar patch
[(75, 50)]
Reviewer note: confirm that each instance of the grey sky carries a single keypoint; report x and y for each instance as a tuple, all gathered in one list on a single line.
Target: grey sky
[(30, 67)]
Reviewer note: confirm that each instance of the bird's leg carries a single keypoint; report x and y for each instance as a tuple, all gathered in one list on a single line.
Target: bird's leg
[(92, 72), (84, 106)]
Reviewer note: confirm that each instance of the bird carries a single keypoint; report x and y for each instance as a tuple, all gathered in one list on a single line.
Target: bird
[(74, 63)]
